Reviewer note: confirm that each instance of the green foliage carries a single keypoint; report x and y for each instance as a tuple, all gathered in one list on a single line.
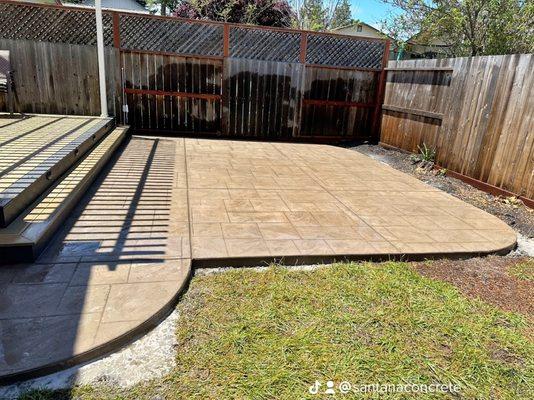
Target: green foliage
[(524, 270), (342, 15), (469, 27), (427, 153), (314, 15), (512, 201), (321, 15)]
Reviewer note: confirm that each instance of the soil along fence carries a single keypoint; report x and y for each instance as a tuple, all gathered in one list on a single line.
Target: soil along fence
[(477, 112), (197, 77)]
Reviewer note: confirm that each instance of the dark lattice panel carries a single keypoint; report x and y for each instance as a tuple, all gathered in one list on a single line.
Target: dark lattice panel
[(261, 44), (344, 52), (44, 24), (174, 36)]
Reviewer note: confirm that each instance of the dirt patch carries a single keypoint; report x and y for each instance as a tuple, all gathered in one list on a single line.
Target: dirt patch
[(488, 278), (517, 215)]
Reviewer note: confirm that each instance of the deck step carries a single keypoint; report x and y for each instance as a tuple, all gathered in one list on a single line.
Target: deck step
[(37, 150), (25, 238)]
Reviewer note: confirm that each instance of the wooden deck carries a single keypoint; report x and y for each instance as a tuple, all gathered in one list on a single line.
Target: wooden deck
[(35, 150)]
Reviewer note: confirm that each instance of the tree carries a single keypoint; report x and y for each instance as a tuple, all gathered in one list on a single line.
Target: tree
[(469, 27), (321, 15), (162, 5), (342, 15), (258, 12), (313, 15)]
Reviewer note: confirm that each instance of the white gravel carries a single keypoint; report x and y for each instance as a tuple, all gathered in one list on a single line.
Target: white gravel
[(150, 357), (525, 246)]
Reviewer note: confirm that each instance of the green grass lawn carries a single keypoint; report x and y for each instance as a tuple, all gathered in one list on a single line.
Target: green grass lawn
[(246, 334), (524, 270)]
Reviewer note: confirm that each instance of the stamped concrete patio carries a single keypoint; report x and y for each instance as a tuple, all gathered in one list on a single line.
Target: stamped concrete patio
[(164, 205)]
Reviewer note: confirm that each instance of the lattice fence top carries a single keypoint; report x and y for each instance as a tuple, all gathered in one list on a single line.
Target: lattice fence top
[(47, 24), (167, 35), (261, 44), (331, 50), (179, 36)]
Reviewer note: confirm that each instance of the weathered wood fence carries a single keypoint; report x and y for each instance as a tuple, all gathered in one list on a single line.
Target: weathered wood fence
[(58, 78), (196, 77), (478, 113)]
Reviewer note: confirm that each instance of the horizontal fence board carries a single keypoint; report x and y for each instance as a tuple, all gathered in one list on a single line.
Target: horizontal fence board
[(487, 131)]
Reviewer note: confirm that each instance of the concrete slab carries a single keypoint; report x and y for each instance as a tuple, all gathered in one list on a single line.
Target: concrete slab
[(251, 202), (163, 204), (111, 273)]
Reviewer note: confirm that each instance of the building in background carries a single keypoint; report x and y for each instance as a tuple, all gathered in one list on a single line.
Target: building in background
[(359, 28), (420, 46)]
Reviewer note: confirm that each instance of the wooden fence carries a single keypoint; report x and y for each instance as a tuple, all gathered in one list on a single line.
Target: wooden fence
[(58, 78), (477, 112), (196, 77)]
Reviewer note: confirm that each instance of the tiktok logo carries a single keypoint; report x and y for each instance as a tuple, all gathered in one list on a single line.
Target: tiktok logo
[(314, 389)]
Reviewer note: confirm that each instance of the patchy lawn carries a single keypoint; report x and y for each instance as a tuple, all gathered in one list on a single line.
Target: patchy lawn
[(269, 335), (506, 282), (524, 271)]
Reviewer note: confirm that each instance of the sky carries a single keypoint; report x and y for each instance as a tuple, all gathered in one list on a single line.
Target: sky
[(370, 11)]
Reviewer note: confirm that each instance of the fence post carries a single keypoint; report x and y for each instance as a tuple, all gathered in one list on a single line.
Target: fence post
[(120, 101), (297, 120), (224, 80), (303, 47), (226, 40), (101, 60), (116, 30), (380, 92)]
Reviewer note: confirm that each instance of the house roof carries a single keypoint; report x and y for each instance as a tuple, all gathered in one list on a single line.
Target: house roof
[(419, 38), (356, 23)]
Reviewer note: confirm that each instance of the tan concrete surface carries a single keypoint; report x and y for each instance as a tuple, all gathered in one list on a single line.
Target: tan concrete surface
[(251, 199), (120, 259), (126, 251)]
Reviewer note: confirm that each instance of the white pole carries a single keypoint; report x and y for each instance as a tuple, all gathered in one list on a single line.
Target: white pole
[(101, 61)]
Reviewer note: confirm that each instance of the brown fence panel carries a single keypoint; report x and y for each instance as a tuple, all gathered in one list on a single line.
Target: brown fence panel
[(173, 93), (262, 98), (57, 78), (338, 103), (476, 112)]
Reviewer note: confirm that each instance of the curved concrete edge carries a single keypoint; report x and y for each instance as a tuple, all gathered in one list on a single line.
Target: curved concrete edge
[(108, 347)]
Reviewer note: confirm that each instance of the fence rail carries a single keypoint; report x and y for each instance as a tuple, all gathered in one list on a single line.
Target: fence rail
[(478, 113), (200, 77)]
